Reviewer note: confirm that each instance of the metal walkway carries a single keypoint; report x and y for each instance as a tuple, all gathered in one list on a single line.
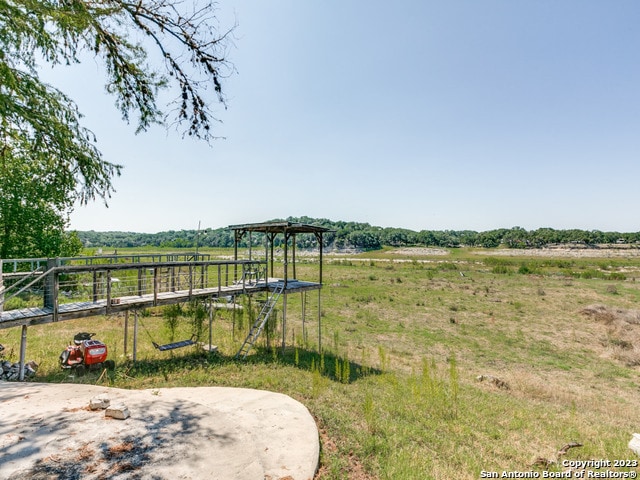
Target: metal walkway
[(69, 291)]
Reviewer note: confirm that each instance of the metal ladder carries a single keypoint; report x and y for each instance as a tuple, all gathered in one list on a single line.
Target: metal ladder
[(261, 321)]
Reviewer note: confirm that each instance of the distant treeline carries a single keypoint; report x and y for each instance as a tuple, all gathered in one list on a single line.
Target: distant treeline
[(365, 236)]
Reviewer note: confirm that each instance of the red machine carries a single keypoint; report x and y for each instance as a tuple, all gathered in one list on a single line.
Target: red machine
[(85, 353)]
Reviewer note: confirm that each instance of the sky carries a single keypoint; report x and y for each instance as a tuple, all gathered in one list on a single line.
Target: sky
[(418, 114)]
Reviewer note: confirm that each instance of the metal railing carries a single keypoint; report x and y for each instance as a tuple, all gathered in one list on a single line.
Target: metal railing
[(61, 281)]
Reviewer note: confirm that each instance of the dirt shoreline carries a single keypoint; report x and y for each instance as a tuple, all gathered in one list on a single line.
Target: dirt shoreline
[(577, 252)]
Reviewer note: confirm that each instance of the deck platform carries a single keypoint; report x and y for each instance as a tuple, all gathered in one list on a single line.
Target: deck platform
[(70, 311)]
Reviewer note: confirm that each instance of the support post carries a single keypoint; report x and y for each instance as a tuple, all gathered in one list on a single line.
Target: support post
[(135, 335), (284, 322), (126, 331), (319, 323), (303, 296), (293, 254), (266, 258), (286, 258), (236, 239), (23, 352), (272, 237), (210, 322), (321, 248), (319, 240), (233, 320)]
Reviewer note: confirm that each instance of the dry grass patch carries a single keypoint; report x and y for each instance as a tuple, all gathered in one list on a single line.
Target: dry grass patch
[(621, 340)]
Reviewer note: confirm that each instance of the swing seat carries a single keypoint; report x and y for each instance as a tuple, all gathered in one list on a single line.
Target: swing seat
[(174, 345)]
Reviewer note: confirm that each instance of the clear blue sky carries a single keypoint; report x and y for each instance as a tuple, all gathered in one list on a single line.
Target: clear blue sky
[(450, 114)]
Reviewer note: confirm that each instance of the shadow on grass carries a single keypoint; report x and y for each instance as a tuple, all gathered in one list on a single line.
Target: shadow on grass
[(327, 364)]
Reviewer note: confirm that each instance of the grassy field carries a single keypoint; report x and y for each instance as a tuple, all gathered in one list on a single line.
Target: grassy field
[(434, 366)]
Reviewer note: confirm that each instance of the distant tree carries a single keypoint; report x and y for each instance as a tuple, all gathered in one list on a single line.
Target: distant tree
[(43, 141), (366, 239), (397, 237), (467, 237), (489, 239)]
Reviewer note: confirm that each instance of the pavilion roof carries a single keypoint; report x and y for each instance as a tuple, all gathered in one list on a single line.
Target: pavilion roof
[(280, 227)]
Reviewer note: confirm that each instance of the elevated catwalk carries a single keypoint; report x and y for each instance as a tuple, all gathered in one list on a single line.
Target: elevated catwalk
[(71, 288)]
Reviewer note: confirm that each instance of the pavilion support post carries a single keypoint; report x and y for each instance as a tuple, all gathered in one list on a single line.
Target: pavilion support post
[(272, 237), (135, 336), (266, 257), (320, 241), (293, 254), (286, 258), (23, 352), (236, 239)]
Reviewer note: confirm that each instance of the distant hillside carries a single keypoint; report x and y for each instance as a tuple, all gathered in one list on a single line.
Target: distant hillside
[(365, 236)]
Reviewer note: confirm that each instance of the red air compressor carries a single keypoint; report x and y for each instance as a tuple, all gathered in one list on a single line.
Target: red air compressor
[(85, 353)]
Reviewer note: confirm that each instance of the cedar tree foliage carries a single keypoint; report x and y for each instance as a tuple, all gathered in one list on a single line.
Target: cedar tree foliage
[(43, 142)]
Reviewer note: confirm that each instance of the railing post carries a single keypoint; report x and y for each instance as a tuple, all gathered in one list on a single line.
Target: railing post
[(108, 291), (155, 286), (51, 287), (140, 286), (95, 286), (190, 280), (219, 278)]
